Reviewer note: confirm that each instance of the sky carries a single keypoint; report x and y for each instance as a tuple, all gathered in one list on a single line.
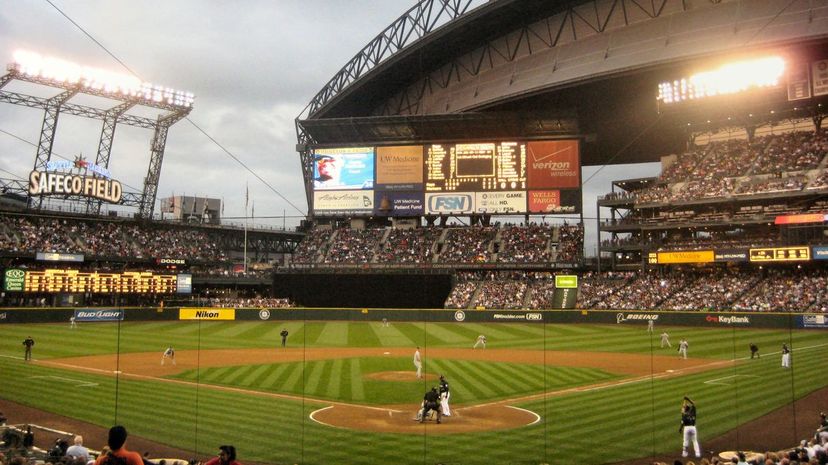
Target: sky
[(253, 66)]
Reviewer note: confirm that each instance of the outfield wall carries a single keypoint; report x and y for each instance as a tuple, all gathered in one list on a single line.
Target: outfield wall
[(626, 317)]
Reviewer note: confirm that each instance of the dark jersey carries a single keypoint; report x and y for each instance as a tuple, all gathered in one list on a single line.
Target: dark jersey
[(753, 348), (688, 416), (444, 386), (431, 396), (28, 342), (785, 349)]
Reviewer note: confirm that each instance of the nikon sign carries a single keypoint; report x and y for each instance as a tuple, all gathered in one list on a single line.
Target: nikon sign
[(13, 280)]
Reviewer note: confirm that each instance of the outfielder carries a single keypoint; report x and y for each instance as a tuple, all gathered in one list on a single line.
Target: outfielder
[(169, 353), (683, 348), (665, 340), (444, 396), (418, 363), (650, 326), (786, 356), (688, 427), (480, 340)]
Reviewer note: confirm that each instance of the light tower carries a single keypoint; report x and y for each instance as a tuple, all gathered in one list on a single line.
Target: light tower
[(73, 79)]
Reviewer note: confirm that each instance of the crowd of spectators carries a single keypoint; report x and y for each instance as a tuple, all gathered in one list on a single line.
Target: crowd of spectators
[(30, 234), (415, 245), (248, 302), (771, 163), (530, 243), (718, 289), (353, 245)]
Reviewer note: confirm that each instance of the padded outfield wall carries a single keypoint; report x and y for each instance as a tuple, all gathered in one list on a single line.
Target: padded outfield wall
[(344, 390)]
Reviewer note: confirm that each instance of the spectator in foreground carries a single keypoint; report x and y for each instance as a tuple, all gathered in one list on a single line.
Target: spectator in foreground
[(118, 453), (77, 451), (226, 456)]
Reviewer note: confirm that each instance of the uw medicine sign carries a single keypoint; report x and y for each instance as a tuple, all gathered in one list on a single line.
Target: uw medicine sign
[(90, 180)]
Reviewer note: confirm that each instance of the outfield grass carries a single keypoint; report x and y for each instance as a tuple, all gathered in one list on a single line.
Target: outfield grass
[(623, 421)]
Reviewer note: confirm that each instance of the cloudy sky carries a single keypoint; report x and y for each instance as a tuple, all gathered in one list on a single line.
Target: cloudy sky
[(252, 65)]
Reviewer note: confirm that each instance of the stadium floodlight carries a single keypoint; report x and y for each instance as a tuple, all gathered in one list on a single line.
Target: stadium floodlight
[(55, 69), (729, 79)]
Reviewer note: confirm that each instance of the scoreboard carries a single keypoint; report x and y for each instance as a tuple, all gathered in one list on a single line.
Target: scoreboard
[(476, 167), (74, 281)]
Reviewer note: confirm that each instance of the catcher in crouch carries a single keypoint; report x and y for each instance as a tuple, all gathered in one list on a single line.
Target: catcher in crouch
[(431, 401)]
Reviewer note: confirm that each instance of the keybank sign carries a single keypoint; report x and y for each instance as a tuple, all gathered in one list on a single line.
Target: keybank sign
[(450, 203)]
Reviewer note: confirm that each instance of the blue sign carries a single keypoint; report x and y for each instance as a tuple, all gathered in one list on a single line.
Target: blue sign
[(819, 253), (184, 284), (390, 203)]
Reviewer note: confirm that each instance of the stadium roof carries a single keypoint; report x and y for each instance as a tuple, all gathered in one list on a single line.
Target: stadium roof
[(614, 103)]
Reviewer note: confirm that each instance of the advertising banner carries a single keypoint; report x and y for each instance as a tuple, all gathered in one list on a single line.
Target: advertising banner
[(500, 202), (184, 284), (554, 201), (801, 219), (392, 203), (343, 168), (59, 257), (187, 313), (813, 321), (820, 252), (96, 314), (730, 255), (553, 164), (446, 204), (690, 256), (820, 77), (400, 168), (13, 280), (343, 202)]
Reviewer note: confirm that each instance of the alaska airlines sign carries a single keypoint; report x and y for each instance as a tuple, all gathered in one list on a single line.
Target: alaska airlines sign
[(52, 182)]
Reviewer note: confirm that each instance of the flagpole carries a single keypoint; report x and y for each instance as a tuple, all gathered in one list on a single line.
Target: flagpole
[(246, 196)]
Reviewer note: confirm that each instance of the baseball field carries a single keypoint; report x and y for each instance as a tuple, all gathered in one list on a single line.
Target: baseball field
[(345, 392)]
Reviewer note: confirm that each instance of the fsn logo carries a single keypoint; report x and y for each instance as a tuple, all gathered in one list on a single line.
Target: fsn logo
[(534, 316), (450, 203)]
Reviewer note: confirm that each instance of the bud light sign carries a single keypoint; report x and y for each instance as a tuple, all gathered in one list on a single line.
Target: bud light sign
[(88, 314)]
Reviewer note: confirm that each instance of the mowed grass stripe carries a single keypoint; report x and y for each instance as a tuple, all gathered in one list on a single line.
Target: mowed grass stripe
[(255, 376), (357, 387), (333, 334), (333, 388), (390, 336), (314, 374)]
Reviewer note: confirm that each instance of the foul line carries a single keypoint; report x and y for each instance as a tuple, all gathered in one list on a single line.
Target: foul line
[(68, 380)]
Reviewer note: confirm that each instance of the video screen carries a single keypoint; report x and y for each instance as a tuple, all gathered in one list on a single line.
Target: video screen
[(343, 168)]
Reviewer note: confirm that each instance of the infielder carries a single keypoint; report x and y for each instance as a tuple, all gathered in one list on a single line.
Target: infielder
[(688, 427), (682, 349), (444, 396), (480, 340), (169, 353), (665, 340), (786, 356), (418, 363), (28, 343)]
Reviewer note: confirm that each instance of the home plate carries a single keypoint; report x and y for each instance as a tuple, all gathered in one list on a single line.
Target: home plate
[(386, 353)]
